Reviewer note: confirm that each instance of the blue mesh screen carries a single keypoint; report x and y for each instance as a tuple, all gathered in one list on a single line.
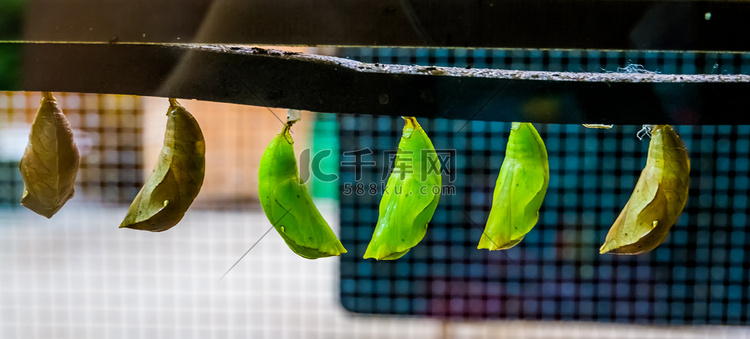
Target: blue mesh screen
[(700, 275)]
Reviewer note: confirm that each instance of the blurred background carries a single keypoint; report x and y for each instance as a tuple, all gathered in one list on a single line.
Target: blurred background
[(78, 276)]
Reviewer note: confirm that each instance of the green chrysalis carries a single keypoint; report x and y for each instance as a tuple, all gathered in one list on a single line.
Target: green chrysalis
[(519, 190), (287, 204), (410, 197)]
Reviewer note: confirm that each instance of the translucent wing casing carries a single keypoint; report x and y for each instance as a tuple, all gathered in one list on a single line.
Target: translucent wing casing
[(658, 199), (176, 179), (519, 190), (288, 205), (50, 163), (410, 197)]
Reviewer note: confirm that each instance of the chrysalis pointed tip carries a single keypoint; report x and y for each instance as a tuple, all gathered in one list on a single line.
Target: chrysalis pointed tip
[(369, 254), (383, 254), (48, 216), (45, 213)]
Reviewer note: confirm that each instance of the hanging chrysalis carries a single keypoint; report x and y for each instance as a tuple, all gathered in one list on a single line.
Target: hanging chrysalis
[(658, 198), (288, 205), (177, 178), (410, 196), (519, 190), (50, 163)]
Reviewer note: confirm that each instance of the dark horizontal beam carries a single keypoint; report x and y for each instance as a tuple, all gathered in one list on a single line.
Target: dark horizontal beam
[(699, 25), (254, 76)]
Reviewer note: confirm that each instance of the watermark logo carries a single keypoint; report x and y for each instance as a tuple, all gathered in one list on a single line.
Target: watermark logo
[(442, 161), (390, 162), (358, 164)]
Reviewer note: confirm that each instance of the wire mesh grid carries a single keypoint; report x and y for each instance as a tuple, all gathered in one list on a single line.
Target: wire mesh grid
[(107, 131), (699, 276), (78, 276)]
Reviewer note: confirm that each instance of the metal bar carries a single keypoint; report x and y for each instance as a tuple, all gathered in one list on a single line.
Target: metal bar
[(262, 77)]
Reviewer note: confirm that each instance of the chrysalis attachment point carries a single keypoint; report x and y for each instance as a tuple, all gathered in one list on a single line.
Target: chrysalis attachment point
[(292, 116), (644, 131)]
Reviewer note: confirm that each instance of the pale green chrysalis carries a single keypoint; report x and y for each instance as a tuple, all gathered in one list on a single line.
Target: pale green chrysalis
[(519, 190), (410, 197), (288, 205)]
